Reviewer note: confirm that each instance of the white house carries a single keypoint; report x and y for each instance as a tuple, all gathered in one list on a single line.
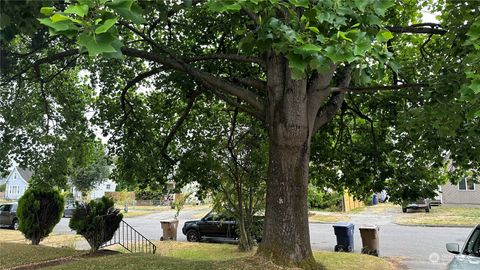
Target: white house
[(98, 191), (17, 183)]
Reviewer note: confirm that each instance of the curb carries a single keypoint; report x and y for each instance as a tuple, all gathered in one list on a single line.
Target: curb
[(434, 225)]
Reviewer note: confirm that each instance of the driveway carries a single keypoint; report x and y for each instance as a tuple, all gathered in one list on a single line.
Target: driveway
[(416, 247)]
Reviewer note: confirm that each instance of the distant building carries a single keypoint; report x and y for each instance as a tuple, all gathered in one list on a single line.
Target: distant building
[(98, 191), (17, 182), (467, 191)]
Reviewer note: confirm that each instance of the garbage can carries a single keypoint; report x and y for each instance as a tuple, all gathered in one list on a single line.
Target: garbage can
[(375, 199), (169, 228), (370, 241), (344, 233)]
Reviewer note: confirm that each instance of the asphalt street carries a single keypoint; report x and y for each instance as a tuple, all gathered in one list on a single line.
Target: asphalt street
[(416, 247)]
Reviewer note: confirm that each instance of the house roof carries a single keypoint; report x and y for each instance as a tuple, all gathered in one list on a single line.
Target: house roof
[(25, 173)]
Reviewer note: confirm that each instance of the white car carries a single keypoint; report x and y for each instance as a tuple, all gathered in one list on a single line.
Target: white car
[(468, 258)]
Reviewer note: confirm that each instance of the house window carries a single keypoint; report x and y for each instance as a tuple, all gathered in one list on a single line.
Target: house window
[(109, 186), (466, 184), (14, 190)]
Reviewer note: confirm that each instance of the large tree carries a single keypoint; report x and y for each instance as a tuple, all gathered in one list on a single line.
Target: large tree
[(289, 64)]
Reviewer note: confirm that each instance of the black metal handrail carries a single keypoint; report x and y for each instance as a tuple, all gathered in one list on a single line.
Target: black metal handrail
[(131, 240)]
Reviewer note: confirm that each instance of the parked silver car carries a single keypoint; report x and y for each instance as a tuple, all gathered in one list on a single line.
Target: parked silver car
[(68, 211), (468, 258)]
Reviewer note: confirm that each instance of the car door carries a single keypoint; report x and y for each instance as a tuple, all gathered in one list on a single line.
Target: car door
[(226, 227), (209, 225)]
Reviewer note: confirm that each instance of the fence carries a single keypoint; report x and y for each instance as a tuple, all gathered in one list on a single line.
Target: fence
[(350, 203)]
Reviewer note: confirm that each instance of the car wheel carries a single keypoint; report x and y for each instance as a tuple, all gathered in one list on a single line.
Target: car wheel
[(193, 236), (404, 210), (15, 224), (427, 209)]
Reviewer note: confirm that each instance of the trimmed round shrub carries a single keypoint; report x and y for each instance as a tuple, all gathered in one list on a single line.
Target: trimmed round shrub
[(97, 221), (39, 210)]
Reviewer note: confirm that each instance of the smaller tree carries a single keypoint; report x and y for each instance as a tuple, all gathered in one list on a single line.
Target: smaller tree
[(39, 210), (97, 221)]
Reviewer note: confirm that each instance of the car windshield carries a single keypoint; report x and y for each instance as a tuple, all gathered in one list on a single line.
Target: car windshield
[(473, 245)]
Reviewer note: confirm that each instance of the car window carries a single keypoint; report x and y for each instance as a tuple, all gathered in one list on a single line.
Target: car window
[(5, 207), (208, 217), (473, 244)]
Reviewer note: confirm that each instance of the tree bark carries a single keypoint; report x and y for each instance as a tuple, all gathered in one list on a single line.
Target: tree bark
[(286, 238)]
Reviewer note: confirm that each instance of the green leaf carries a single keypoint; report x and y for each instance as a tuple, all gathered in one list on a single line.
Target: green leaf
[(80, 10), (97, 44), (333, 54), (105, 26), (474, 31), (297, 66), (475, 86), (320, 63), (47, 11), (343, 36), (57, 17), (384, 35), (60, 26), (313, 29), (309, 48), (217, 6), (129, 10), (381, 6), (300, 3), (362, 4)]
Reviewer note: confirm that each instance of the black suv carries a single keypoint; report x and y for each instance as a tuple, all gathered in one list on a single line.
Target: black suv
[(216, 225), (8, 215)]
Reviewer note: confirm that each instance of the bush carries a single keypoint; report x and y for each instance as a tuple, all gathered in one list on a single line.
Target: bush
[(2, 187), (97, 221), (321, 199), (39, 210)]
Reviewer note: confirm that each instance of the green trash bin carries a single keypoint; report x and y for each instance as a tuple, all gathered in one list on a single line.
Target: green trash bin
[(370, 240)]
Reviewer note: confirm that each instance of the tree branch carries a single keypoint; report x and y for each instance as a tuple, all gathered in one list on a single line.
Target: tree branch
[(203, 77), (130, 84), (233, 57), (252, 82), (178, 124), (328, 111), (423, 28), (378, 88)]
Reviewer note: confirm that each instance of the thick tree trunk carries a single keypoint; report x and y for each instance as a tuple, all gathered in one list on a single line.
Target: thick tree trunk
[(286, 238)]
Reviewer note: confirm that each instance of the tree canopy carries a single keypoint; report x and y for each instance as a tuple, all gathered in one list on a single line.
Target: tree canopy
[(378, 97)]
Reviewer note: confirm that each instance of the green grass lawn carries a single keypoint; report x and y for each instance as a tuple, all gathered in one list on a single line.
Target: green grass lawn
[(15, 254), (442, 215), (53, 240), (328, 217), (135, 211), (178, 256)]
